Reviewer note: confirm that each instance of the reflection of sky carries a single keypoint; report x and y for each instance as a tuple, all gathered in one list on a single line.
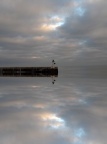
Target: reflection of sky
[(71, 111)]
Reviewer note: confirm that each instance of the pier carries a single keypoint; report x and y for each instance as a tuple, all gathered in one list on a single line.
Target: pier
[(28, 71)]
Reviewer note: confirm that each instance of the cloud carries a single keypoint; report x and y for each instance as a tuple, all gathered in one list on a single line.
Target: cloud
[(54, 28), (30, 31), (90, 27)]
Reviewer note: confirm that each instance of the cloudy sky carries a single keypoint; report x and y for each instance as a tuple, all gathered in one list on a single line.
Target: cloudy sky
[(71, 31), (74, 110)]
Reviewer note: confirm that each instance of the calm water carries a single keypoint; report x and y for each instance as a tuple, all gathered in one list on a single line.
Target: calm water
[(73, 111)]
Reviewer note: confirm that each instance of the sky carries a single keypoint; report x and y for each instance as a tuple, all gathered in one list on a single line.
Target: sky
[(73, 32), (74, 110)]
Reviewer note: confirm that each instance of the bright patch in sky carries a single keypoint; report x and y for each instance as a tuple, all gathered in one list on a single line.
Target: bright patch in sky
[(80, 11), (52, 23)]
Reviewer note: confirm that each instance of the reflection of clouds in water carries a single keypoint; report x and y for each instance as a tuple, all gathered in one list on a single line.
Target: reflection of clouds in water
[(53, 121), (70, 111), (79, 132)]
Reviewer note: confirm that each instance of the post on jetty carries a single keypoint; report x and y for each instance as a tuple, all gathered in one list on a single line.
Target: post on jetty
[(29, 71)]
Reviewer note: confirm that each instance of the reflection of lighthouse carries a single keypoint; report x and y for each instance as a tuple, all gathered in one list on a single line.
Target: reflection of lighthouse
[(28, 71)]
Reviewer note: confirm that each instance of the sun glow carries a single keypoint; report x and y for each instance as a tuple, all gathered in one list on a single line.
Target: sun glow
[(52, 23)]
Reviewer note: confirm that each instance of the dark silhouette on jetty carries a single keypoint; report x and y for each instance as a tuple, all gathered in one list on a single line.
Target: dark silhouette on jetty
[(29, 71)]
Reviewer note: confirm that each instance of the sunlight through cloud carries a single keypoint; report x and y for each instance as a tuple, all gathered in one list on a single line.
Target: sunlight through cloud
[(52, 23)]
